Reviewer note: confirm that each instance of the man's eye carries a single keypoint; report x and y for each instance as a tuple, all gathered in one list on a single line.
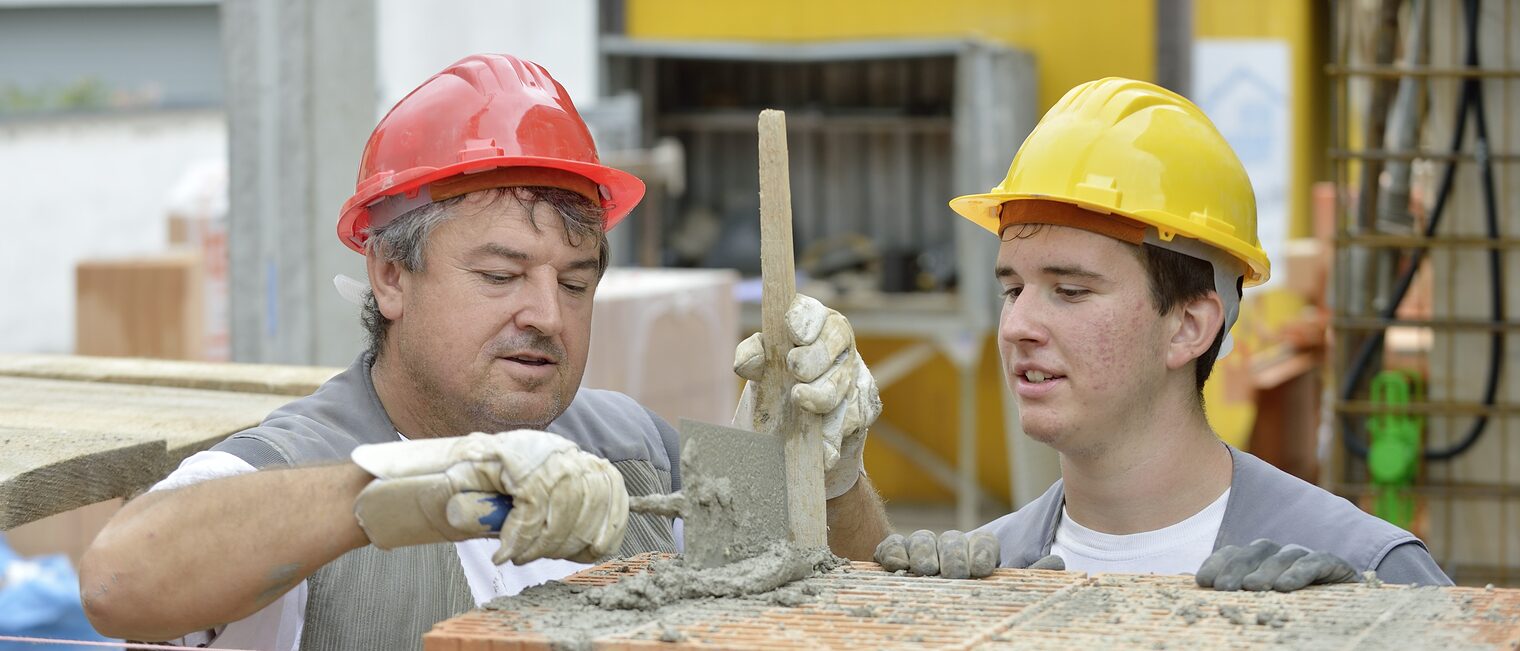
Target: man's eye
[(1012, 292), (1072, 292), (495, 279), (574, 288)]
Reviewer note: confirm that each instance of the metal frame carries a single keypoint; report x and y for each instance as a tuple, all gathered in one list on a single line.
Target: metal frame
[(1450, 494)]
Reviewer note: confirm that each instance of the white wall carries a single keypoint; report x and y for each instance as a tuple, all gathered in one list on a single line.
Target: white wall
[(417, 39), (84, 187)]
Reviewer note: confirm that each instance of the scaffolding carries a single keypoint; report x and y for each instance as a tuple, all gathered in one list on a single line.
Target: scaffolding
[(1424, 151)]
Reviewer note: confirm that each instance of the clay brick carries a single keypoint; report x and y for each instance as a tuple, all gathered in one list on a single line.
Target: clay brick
[(867, 608)]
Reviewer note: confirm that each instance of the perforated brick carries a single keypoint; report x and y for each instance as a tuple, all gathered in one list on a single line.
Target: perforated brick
[(860, 606)]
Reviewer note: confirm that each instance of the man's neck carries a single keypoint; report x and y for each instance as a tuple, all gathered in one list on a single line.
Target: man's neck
[(1151, 476), (404, 405)]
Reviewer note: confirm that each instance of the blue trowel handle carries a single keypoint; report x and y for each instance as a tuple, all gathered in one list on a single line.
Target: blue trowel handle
[(500, 504)]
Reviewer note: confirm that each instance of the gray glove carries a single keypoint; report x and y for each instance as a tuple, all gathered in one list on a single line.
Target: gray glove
[(951, 555), (1266, 565)]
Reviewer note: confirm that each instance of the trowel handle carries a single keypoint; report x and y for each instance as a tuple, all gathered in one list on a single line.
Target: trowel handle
[(500, 506)]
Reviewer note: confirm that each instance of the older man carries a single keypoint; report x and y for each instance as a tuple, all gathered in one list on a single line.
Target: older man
[(481, 210)]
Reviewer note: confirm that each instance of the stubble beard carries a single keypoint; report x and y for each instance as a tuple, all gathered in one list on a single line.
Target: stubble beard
[(520, 406)]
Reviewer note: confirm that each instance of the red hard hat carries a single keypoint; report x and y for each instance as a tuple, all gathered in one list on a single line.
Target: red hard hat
[(490, 120)]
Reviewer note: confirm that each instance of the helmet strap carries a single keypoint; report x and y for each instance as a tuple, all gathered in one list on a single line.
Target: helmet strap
[(1227, 274)]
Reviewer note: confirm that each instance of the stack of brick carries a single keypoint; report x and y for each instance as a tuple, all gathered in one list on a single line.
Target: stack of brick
[(859, 606)]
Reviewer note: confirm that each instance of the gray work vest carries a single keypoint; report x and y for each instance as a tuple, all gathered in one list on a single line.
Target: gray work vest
[(373, 599), (1264, 503)]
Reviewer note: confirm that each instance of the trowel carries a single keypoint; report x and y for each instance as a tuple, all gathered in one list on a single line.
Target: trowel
[(743, 489), (734, 498)]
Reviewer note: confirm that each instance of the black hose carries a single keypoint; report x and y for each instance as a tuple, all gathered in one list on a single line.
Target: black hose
[(1472, 98)]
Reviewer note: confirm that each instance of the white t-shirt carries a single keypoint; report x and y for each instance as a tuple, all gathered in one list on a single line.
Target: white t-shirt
[(1178, 549), (278, 625)]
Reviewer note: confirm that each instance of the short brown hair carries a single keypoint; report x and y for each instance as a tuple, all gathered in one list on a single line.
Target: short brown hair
[(1175, 279)]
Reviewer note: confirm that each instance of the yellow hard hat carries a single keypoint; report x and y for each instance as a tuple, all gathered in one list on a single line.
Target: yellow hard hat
[(1136, 150)]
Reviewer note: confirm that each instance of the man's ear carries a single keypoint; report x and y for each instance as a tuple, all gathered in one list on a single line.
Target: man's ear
[(385, 280), (1197, 324)]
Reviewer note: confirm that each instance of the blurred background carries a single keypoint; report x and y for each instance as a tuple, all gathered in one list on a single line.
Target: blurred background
[(173, 172)]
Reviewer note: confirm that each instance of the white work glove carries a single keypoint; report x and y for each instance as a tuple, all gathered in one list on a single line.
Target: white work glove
[(1266, 565), (832, 381), (565, 503)]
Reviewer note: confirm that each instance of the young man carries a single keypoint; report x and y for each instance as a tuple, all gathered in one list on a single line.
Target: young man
[(481, 209), (1128, 228)]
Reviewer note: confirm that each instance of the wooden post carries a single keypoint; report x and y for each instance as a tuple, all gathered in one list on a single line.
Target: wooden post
[(802, 432)]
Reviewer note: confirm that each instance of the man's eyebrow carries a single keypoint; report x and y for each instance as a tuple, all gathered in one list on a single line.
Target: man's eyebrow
[(1059, 270), (503, 251), (498, 250), (584, 264), (1006, 271)]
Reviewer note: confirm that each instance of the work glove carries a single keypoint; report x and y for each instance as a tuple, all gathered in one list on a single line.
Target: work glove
[(1266, 565), (566, 503), (952, 554), (832, 381)]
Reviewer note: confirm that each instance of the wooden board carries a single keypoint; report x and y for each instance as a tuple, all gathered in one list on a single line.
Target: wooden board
[(802, 432), (44, 472), (71, 443), (247, 378)]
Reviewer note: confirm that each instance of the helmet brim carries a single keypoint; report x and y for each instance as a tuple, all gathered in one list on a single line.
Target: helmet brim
[(620, 191), (982, 210)]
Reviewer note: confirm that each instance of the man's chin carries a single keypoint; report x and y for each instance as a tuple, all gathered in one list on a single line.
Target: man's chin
[(522, 410), (1042, 429)]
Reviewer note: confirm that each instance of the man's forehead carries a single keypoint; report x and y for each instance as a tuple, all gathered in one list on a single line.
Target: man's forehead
[(1062, 250), (504, 228)]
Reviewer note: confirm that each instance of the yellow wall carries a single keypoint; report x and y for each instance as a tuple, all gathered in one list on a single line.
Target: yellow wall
[(1304, 26), (1073, 41)]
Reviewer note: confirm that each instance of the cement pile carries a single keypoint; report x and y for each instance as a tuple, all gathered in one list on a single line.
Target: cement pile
[(670, 593)]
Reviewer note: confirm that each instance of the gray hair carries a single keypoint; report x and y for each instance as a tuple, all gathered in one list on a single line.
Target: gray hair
[(404, 239)]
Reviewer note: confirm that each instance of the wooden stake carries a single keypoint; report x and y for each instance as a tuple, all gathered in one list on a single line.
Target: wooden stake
[(802, 432)]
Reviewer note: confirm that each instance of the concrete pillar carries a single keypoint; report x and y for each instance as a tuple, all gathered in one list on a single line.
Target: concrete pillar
[(300, 104), (1174, 45)]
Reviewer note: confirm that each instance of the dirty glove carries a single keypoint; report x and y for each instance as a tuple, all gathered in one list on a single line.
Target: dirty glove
[(832, 380), (952, 554), (565, 503), (1266, 565)]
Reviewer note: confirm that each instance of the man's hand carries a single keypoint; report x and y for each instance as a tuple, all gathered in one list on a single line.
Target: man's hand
[(952, 554), (565, 503), (832, 380), (1266, 565)]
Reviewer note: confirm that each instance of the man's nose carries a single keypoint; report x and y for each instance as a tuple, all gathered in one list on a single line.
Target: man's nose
[(1021, 323), (540, 305)]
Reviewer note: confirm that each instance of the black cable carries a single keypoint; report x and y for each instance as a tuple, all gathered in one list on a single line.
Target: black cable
[(1472, 97)]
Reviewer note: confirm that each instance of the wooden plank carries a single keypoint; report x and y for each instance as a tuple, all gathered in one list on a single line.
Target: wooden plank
[(69, 444), (247, 378), (49, 471), (186, 420), (803, 432)]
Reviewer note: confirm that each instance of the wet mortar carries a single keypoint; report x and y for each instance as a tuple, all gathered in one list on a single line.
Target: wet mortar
[(859, 606)]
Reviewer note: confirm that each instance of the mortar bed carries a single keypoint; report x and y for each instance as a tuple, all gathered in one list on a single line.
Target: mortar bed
[(859, 606)]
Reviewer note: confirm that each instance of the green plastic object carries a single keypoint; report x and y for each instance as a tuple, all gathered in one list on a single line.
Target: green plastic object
[(1393, 456)]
